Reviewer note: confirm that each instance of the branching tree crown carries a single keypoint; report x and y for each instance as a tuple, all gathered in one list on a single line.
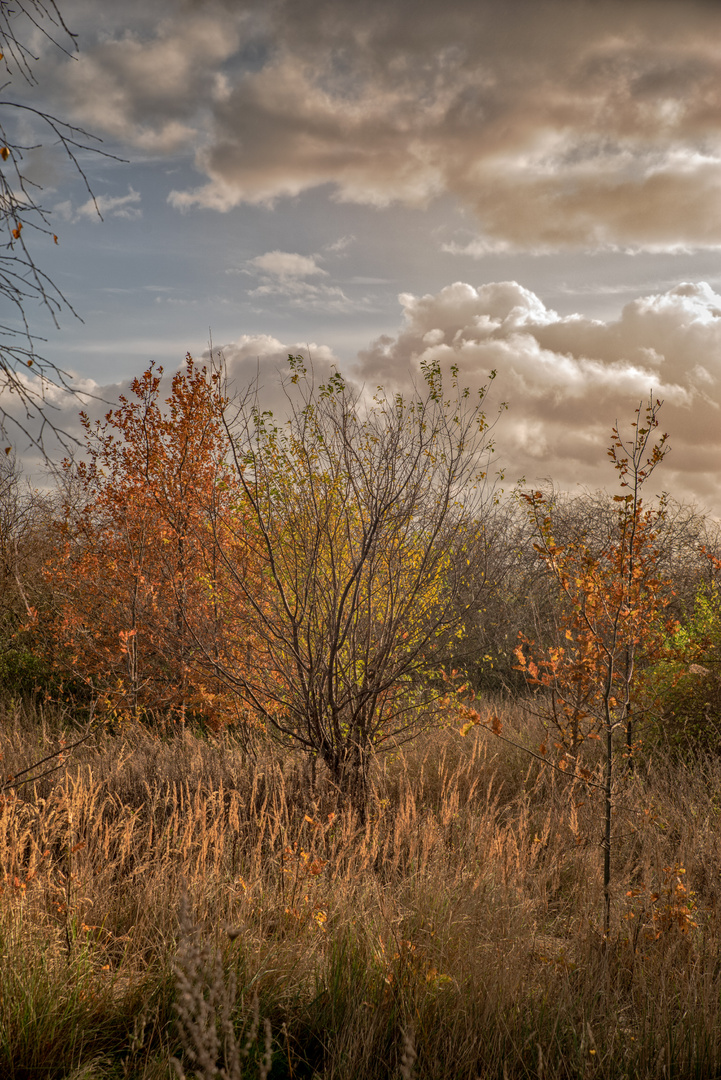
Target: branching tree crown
[(358, 509)]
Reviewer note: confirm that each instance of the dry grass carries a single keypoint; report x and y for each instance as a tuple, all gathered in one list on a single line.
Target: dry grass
[(455, 933)]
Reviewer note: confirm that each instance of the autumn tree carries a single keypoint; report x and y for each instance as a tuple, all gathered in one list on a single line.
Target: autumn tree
[(135, 565), (613, 620), (359, 510)]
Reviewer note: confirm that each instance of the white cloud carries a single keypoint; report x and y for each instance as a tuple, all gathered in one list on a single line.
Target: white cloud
[(118, 206), (260, 362), (479, 247), (107, 206), (568, 379), (283, 274), (284, 265), (341, 244)]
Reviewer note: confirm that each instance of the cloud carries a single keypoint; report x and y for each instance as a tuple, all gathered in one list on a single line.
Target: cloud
[(146, 78), (118, 206), (284, 265), (568, 379), (102, 206), (340, 244), (283, 274), (258, 363), (252, 362), (558, 125), (262, 360)]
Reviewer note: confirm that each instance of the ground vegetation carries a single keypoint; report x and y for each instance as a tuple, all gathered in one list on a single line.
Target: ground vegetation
[(311, 743)]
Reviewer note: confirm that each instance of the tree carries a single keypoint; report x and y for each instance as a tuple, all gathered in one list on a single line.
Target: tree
[(135, 567), (359, 511), (613, 621), (521, 593), (24, 372)]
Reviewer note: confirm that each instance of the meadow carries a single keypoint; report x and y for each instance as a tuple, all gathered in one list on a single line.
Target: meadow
[(320, 760), (164, 890)]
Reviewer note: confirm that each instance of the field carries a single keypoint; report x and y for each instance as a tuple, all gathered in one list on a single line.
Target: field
[(455, 933), (386, 776)]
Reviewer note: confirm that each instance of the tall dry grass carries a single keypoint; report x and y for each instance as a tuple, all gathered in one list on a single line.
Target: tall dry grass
[(454, 933)]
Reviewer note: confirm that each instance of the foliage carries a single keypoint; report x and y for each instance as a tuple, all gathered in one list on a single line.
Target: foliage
[(687, 679), (612, 620), (23, 672), (520, 593), (135, 560), (25, 540), (612, 615), (359, 513)]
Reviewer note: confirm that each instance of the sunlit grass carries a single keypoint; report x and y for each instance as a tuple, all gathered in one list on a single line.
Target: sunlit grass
[(454, 933)]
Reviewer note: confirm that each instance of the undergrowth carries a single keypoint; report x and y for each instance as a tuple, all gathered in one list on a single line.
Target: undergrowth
[(172, 906)]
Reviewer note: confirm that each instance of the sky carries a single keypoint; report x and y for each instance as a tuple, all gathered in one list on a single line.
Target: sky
[(532, 187)]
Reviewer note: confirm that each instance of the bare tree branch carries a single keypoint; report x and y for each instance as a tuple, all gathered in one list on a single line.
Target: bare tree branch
[(25, 374)]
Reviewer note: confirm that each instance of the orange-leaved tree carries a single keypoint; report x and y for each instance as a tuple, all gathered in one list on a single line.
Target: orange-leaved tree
[(136, 574), (613, 623)]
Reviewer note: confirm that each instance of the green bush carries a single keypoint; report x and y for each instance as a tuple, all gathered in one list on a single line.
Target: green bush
[(26, 672), (21, 671), (687, 684)]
